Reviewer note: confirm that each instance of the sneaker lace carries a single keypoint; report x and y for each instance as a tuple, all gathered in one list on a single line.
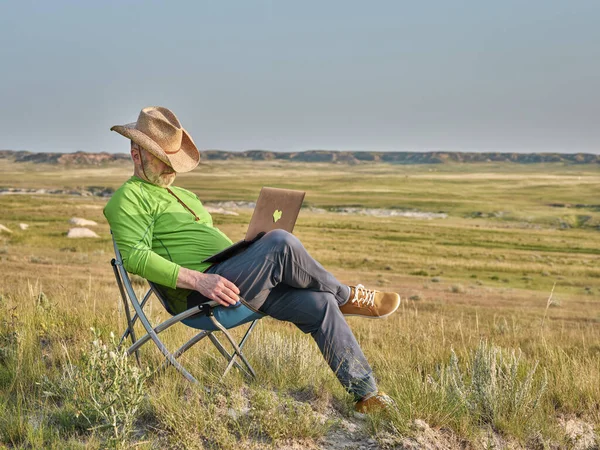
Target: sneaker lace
[(363, 296)]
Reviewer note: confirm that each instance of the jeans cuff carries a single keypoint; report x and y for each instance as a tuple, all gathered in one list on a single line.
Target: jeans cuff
[(362, 387), (344, 294)]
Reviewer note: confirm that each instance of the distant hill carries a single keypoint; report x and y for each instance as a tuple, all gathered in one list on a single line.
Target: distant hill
[(82, 158), (342, 157)]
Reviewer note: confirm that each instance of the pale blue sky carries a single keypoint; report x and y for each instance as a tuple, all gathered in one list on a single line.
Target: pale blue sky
[(293, 75)]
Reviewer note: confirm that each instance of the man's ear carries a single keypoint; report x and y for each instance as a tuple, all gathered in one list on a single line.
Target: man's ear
[(135, 155)]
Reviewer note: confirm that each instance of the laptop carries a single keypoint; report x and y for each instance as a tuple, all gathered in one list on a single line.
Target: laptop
[(275, 209)]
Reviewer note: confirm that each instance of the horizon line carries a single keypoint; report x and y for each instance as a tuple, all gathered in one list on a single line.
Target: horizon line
[(522, 152)]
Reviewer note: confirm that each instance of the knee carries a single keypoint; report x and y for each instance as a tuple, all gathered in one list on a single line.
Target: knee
[(282, 239)]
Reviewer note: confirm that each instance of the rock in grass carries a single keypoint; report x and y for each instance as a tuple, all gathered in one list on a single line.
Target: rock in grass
[(23, 226), (80, 232), (79, 222), (223, 211), (4, 229)]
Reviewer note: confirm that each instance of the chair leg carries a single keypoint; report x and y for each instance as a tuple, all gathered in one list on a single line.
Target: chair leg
[(226, 355), (236, 348), (135, 316), (129, 330), (170, 359), (152, 334), (242, 342), (197, 338), (185, 347), (230, 357), (248, 331)]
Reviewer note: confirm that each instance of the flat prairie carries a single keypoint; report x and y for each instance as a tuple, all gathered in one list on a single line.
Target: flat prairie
[(496, 343)]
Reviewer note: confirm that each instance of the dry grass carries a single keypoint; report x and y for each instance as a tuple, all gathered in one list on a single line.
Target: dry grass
[(495, 276)]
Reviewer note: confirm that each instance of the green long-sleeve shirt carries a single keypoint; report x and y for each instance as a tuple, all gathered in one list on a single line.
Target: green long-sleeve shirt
[(157, 236)]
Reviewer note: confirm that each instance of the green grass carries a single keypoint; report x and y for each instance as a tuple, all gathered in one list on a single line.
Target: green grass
[(494, 273)]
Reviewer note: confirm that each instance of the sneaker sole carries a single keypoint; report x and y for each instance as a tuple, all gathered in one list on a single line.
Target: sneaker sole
[(372, 317)]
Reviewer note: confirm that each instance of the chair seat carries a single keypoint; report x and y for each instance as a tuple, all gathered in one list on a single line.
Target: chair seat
[(229, 317)]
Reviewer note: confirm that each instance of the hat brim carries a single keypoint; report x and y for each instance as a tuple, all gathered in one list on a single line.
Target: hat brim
[(184, 160)]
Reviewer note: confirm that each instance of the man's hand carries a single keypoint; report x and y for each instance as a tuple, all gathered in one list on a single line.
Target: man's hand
[(218, 288), (212, 286)]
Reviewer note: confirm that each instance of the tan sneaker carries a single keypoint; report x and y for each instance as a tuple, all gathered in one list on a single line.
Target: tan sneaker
[(370, 303), (376, 403)]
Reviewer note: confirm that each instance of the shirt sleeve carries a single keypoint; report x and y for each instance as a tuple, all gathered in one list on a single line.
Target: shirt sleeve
[(131, 220)]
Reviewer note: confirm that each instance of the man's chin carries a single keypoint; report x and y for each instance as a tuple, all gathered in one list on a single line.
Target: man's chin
[(164, 181), (167, 183)]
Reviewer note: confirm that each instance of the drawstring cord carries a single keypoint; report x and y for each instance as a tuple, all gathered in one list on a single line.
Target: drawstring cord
[(196, 218)]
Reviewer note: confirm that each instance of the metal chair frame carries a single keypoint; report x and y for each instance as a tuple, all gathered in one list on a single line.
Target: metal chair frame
[(128, 295)]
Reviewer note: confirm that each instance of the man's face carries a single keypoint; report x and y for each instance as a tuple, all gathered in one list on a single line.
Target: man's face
[(156, 171)]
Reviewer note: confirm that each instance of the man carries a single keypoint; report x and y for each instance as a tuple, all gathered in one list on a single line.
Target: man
[(164, 233)]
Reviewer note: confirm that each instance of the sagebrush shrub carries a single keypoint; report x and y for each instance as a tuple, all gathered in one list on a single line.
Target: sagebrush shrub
[(495, 385), (115, 387), (107, 389)]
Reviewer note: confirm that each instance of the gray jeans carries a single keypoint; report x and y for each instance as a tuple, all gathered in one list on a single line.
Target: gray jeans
[(277, 276)]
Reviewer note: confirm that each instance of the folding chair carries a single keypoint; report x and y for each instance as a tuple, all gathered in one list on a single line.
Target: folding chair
[(208, 317)]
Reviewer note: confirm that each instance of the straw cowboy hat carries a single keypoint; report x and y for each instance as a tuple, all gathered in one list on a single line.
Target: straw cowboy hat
[(158, 131)]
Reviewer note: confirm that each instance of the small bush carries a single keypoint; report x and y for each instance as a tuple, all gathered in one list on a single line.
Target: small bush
[(457, 289), (554, 303), (115, 387), (421, 273), (496, 388), (107, 390), (436, 280), (42, 302)]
